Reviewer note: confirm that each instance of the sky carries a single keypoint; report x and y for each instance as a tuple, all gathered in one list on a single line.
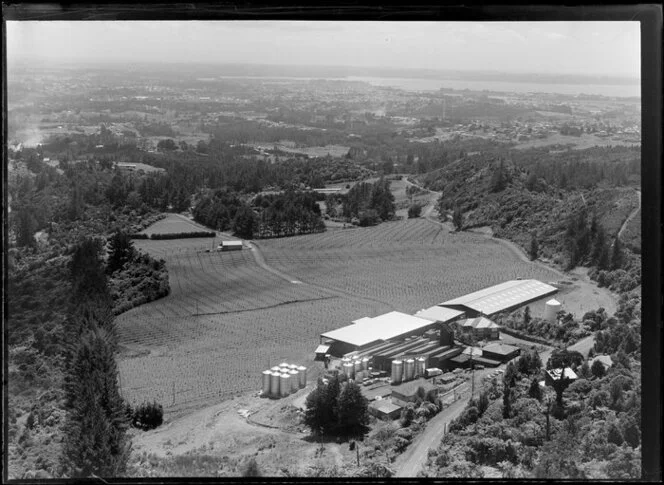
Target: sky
[(586, 48)]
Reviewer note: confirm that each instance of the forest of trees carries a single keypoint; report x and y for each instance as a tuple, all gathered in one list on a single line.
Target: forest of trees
[(367, 203)]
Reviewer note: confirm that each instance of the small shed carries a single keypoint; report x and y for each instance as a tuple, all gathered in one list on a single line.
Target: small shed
[(321, 351), (559, 375), (407, 392), (230, 245), (605, 360), (385, 409)]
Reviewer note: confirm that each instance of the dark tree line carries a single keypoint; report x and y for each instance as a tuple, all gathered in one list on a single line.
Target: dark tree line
[(275, 215), (586, 242), (368, 202)]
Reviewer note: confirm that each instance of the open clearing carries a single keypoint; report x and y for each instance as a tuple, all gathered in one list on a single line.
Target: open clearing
[(577, 142), (174, 223)]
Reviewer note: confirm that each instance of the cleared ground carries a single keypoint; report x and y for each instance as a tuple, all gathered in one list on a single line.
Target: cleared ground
[(174, 223)]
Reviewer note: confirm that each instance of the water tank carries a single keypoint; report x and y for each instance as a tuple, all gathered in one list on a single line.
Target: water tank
[(397, 373), (420, 365), (294, 380), (365, 363), (551, 309), (348, 370), (357, 366), (410, 369), (274, 384), (302, 376), (266, 382), (284, 385)]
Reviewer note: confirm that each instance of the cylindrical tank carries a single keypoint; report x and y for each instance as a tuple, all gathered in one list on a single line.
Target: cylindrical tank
[(397, 371), (292, 366), (410, 369), (302, 376), (284, 385), (551, 309), (348, 370), (283, 364), (294, 380), (275, 368), (357, 366), (420, 365), (266, 382), (284, 370), (274, 384)]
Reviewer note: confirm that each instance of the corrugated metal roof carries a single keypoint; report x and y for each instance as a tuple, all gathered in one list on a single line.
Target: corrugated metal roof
[(503, 296), (322, 349), (383, 327), (439, 314), (498, 348), (479, 322)]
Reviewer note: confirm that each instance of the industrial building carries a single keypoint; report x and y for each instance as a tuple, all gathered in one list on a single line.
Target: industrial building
[(479, 328), (406, 345), (385, 409), (500, 298), (367, 331)]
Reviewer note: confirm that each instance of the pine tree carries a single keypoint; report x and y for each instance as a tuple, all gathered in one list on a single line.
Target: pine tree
[(533, 250), (535, 391), (457, 219), (87, 269), (121, 250), (352, 411), (95, 440)]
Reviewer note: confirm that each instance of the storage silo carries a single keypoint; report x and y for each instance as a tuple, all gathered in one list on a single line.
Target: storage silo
[(410, 369), (397, 371), (284, 385), (551, 309), (348, 370), (365, 363), (267, 375), (420, 365), (274, 384), (302, 376), (292, 366), (283, 364), (294, 380), (357, 367), (275, 368)]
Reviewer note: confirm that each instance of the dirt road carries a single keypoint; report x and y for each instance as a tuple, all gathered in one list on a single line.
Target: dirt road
[(412, 460), (631, 216)]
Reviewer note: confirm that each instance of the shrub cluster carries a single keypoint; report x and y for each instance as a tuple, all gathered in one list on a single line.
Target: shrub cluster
[(148, 415)]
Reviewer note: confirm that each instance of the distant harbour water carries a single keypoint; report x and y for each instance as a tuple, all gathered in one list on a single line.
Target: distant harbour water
[(418, 84)]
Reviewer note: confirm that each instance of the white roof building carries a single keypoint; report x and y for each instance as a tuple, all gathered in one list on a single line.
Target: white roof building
[(502, 297), (383, 327)]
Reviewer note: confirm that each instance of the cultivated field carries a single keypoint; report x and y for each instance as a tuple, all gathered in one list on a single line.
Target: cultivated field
[(228, 317), (408, 265)]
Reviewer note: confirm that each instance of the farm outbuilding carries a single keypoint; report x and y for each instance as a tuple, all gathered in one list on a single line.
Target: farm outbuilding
[(440, 314), (564, 374), (385, 409), (407, 392), (230, 246), (506, 296), (367, 331)]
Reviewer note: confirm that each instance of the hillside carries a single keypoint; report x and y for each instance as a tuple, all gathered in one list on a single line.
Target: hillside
[(518, 206)]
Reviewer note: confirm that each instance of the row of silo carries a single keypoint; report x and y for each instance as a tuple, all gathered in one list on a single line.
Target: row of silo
[(407, 370), (353, 367), (283, 380)]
